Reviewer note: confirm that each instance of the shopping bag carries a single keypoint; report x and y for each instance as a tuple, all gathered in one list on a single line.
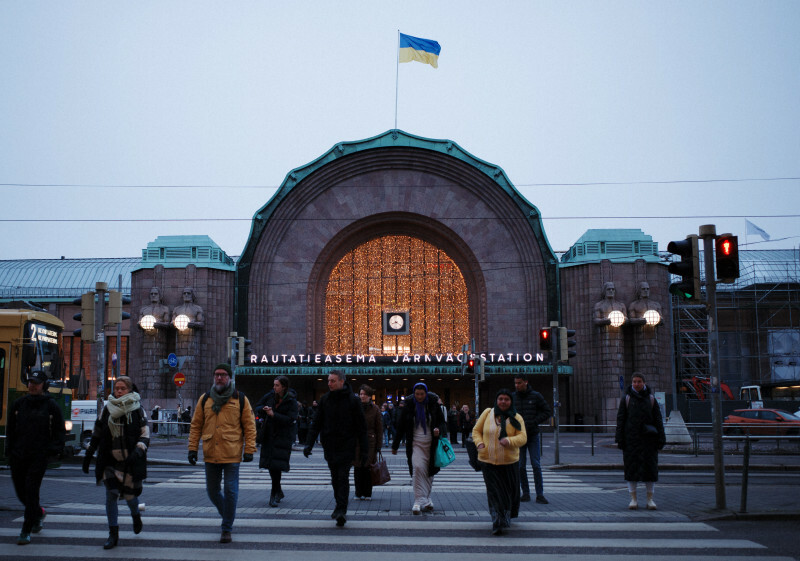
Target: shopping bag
[(472, 452), (444, 453), (380, 471)]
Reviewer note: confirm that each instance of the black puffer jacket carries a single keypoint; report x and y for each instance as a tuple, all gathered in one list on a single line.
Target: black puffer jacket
[(639, 448), (35, 429), (277, 435), (340, 424), (533, 408)]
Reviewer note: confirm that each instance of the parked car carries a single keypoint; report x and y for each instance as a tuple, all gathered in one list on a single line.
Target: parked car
[(761, 422)]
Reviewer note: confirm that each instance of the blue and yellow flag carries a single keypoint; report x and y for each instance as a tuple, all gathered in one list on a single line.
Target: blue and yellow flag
[(421, 50)]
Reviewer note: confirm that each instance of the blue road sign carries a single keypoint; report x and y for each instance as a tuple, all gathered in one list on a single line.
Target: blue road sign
[(172, 360)]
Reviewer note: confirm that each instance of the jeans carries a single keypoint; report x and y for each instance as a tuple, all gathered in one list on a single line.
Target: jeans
[(228, 475), (112, 512), (532, 449)]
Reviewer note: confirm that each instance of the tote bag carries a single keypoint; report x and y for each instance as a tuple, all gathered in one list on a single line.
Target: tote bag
[(444, 453), (380, 471)]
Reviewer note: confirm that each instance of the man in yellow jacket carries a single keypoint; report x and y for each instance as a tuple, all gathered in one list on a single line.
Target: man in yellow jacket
[(224, 420)]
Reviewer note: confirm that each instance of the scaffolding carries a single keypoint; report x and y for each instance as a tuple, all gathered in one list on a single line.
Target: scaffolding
[(759, 327)]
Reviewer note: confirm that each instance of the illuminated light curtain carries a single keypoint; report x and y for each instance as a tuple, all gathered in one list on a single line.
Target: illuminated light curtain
[(396, 273)]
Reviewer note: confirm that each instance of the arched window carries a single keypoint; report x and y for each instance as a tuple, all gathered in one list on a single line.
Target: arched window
[(396, 273)]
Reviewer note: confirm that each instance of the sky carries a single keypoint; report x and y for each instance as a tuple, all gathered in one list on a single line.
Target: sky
[(124, 121)]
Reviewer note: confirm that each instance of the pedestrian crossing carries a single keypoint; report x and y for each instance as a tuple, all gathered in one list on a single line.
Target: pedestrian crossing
[(171, 538)]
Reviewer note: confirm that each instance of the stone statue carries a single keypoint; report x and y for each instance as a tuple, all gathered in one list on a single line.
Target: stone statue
[(190, 309), (607, 305), (156, 309), (642, 303)]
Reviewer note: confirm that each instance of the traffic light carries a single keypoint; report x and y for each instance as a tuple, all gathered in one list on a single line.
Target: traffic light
[(86, 317), (545, 339), (244, 350), (471, 365), (565, 341), (115, 302), (727, 258), (688, 268)]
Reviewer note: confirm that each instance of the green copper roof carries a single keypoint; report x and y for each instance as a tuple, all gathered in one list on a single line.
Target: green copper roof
[(176, 252), (624, 245)]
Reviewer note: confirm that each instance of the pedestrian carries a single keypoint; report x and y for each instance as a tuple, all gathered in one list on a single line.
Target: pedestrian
[(386, 420), (224, 418), (452, 424), (421, 423), (186, 419), (466, 421), (302, 423), (535, 411), (640, 435), (154, 417), (121, 438), (34, 435), (397, 412), (362, 474), (341, 427), (279, 410), (499, 434), (313, 411)]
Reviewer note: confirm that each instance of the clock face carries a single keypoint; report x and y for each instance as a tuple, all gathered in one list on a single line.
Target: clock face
[(396, 321)]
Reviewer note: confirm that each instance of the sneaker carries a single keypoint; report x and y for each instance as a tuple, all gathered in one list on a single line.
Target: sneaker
[(24, 538), (525, 498), (428, 507), (651, 505), (37, 527), (225, 537), (340, 520), (415, 509), (541, 500)]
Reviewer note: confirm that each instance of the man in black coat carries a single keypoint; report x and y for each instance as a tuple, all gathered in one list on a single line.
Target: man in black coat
[(35, 433), (341, 425), (534, 410)]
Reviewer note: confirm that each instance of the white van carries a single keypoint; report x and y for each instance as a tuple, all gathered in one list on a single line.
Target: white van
[(83, 414)]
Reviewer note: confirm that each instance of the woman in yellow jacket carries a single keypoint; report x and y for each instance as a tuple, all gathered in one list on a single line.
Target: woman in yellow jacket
[(498, 434)]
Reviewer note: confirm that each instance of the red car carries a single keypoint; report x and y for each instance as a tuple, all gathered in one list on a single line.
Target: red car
[(762, 422)]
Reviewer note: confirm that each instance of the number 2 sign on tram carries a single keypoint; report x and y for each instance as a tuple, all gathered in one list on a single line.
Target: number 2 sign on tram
[(179, 379)]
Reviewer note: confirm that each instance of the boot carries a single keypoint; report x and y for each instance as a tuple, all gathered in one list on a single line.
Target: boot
[(113, 537), (633, 505), (137, 523), (273, 501), (651, 505)]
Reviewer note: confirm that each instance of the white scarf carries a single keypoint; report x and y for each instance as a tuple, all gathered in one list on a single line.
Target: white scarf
[(119, 407)]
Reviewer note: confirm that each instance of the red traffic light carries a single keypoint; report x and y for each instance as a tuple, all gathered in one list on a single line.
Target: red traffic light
[(727, 258), (471, 366), (545, 341)]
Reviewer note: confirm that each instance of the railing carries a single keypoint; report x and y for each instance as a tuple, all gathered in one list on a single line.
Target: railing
[(169, 429)]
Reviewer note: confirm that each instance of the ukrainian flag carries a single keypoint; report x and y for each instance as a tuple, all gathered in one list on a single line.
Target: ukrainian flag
[(421, 50)]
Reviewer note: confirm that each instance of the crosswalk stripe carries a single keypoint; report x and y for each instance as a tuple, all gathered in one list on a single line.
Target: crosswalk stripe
[(439, 540), (232, 554)]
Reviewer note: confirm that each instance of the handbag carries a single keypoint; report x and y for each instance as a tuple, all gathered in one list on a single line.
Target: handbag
[(379, 471), (444, 453), (472, 452)]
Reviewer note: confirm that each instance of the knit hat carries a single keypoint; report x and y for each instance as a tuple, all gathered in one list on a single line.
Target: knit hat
[(224, 366)]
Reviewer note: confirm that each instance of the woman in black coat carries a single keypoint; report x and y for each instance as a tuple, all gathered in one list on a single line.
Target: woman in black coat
[(640, 435), (121, 437), (421, 422), (279, 410)]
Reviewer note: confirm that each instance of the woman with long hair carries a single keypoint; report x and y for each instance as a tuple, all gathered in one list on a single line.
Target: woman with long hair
[(121, 437), (362, 473), (279, 410), (498, 434)]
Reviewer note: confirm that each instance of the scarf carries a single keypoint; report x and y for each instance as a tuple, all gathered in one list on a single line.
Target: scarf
[(220, 398), (119, 408), (507, 415)]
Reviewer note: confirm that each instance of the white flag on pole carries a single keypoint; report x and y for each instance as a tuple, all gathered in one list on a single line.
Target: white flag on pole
[(753, 229)]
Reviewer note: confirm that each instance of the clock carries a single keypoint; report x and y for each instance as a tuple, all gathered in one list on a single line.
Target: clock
[(395, 323)]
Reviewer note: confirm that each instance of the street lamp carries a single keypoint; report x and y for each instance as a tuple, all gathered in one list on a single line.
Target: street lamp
[(181, 322), (147, 322), (616, 318), (652, 317)]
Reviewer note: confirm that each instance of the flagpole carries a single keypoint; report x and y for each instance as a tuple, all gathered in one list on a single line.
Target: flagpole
[(397, 77)]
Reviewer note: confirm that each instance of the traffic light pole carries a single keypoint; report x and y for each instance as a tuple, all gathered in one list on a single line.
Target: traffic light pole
[(100, 337), (708, 234), (554, 356)]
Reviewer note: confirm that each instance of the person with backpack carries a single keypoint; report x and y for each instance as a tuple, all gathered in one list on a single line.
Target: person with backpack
[(535, 411), (640, 435), (224, 419), (35, 433), (121, 438)]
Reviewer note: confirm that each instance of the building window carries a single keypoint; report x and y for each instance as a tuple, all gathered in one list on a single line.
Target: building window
[(396, 273)]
